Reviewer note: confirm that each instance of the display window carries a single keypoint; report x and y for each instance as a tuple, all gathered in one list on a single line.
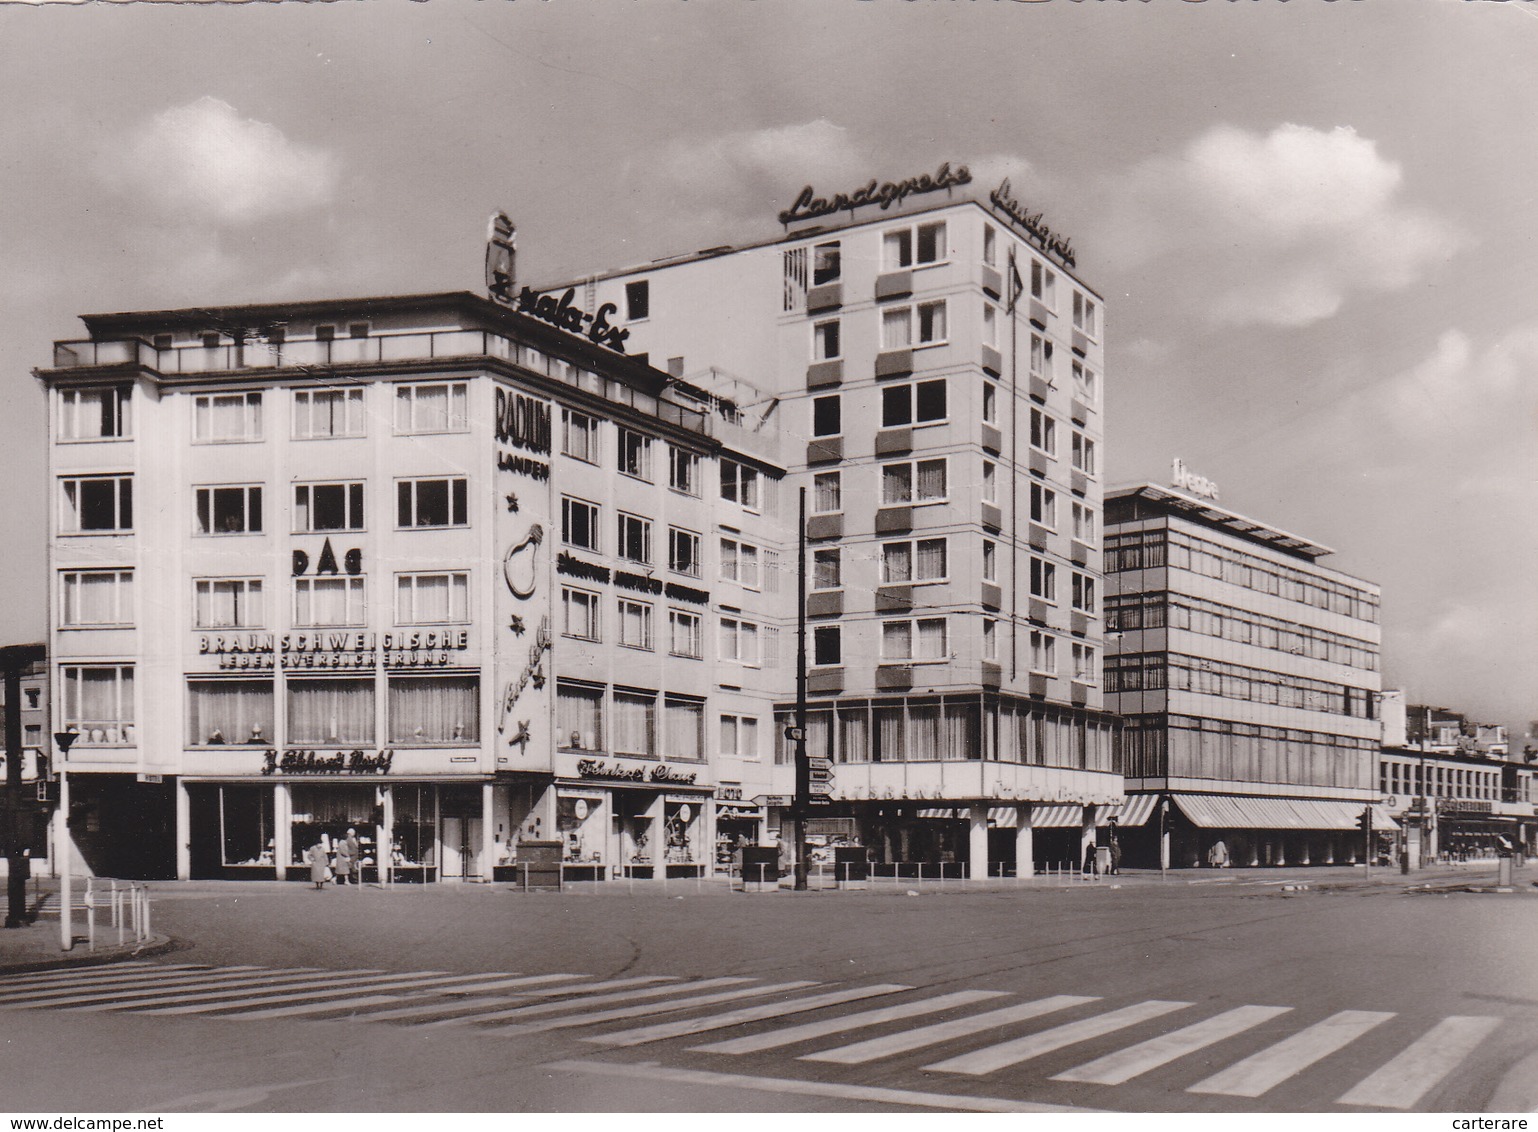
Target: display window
[(583, 825), (414, 837), (324, 814), (681, 827), (246, 829)]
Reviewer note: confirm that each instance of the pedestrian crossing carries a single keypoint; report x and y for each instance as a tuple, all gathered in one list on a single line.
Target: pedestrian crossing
[(970, 1038)]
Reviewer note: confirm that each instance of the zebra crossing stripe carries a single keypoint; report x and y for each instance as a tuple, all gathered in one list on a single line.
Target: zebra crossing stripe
[(59, 990), (756, 1043), (599, 1000), (314, 1007), (399, 985), (1005, 1054), (525, 981), (419, 1011), (908, 1040), (592, 1018), (1134, 1061), (98, 1000), (584, 988), (353, 984), (1263, 1071), (684, 1026), (108, 971), (1423, 1064)]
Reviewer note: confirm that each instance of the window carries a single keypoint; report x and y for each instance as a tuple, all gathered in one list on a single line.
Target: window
[(683, 470), (827, 493), (325, 602), (683, 727), (1043, 432), (432, 599), (826, 263), (328, 507), (683, 552), (431, 503), (635, 538), (827, 415), (739, 484), (825, 343), (635, 454), (1084, 663), (579, 523), (1084, 524), (990, 639), (579, 436), (739, 641), (331, 711), (990, 560), (438, 407), (1083, 453), (920, 403), (990, 403), (435, 711), (229, 510), (96, 414), (97, 504), (739, 737), (1043, 652), (923, 560), (99, 702), (1084, 377), (897, 328), (234, 712), (321, 413), (827, 645), (990, 482), (1084, 313), (96, 597), (990, 325), (226, 418), (1084, 593), (578, 716), (581, 610), (990, 245), (898, 323), (635, 624), (917, 246), (827, 569), (357, 330), (916, 481), (635, 722), (638, 301), (739, 563), (923, 639), (1043, 505), (228, 603), (1043, 579), (1041, 358), (685, 637), (1043, 284)]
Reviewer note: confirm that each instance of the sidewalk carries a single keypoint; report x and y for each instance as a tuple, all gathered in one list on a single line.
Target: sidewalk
[(38, 946)]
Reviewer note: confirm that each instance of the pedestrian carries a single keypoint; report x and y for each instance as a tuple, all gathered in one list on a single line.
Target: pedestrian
[(1089, 860), (346, 856), (1115, 854), (317, 858)]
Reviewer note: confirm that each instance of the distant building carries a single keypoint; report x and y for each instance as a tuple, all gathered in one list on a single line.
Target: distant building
[(36, 742)]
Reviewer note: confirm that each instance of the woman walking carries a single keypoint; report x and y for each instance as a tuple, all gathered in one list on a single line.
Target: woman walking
[(316, 855)]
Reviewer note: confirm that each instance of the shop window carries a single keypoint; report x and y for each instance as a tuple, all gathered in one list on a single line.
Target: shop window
[(827, 415), (331, 711), (99, 702), (323, 815), (228, 603), (681, 825), (326, 413), (739, 737), (320, 507), (635, 454), (920, 403), (827, 645), (583, 826), (414, 838), (635, 624), (579, 436), (914, 481), (432, 599), (97, 505), (430, 408), (96, 414), (685, 727), (248, 835), (683, 470), (227, 418), (96, 597), (435, 710), (432, 503), (827, 493), (579, 716), (635, 722), (329, 602), (579, 523), (638, 300), (827, 263), (232, 712), (683, 552), (827, 568), (685, 634), (635, 538), (581, 610)]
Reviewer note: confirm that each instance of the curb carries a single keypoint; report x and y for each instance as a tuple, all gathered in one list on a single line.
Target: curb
[(157, 945)]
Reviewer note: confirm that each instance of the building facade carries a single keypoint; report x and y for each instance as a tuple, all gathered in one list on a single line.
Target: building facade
[(36, 744), (1247, 674), (425, 567), (935, 372)]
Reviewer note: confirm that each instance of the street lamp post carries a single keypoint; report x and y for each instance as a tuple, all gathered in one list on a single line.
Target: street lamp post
[(62, 845)]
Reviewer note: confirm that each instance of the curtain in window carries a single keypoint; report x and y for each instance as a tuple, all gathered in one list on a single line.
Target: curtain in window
[(896, 329), (819, 734), (331, 712), (435, 709), (924, 733), (98, 695), (229, 711), (931, 558), (896, 483), (897, 565), (96, 599), (962, 732), (854, 735), (931, 479), (635, 723), (827, 494), (890, 738), (579, 717), (685, 720), (931, 643)]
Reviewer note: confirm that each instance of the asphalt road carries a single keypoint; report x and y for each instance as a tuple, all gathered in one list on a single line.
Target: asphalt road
[(1231, 997)]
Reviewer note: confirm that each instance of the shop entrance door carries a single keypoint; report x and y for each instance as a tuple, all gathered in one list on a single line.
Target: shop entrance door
[(461, 848)]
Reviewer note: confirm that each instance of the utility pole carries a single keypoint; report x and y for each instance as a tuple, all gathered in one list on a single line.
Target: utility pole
[(19, 813), (63, 845), (803, 768)]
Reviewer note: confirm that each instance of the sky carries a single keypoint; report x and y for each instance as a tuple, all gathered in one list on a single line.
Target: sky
[(1313, 223)]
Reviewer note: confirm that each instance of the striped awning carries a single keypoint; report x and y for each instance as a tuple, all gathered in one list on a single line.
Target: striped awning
[(1043, 816), (1136, 810), (1213, 811)]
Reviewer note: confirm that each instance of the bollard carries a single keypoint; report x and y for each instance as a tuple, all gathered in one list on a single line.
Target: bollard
[(146, 911)]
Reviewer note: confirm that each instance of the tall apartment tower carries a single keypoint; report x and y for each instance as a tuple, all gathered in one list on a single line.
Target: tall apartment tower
[(1247, 676), (934, 368)]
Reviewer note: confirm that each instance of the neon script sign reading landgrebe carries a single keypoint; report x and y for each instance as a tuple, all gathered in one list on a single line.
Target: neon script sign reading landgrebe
[(886, 194)]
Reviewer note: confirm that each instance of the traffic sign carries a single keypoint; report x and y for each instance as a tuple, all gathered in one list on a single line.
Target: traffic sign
[(815, 775), (816, 762), (772, 799), (823, 789), (795, 734)]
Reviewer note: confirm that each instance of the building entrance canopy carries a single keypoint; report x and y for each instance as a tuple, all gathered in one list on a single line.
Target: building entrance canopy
[(1216, 812)]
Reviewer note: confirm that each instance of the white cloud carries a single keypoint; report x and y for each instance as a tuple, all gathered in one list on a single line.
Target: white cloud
[(205, 160), (1278, 228)]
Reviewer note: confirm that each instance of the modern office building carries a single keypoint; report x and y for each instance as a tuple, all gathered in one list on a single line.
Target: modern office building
[(1247, 674), (934, 367), (426, 566)]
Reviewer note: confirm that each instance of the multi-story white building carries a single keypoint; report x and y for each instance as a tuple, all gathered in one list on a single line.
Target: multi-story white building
[(934, 367), (1247, 675), (423, 566)]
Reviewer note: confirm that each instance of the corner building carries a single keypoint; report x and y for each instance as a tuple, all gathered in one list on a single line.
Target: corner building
[(421, 566), (935, 380), (1247, 675)]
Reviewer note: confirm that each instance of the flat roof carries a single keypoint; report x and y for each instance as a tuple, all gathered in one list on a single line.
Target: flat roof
[(1205, 511)]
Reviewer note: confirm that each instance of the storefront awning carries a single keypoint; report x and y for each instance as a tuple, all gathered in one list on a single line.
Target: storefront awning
[(1136, 810), (741, 811), (1003, 817), (1210, 811)]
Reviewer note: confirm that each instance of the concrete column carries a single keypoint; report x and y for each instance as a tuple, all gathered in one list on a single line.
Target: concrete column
[(384, 835), (1086, 834), (708, 828), (488, 829), (183, 831), (977, 848), (282, 829), (657, 838), (1025, 841)]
